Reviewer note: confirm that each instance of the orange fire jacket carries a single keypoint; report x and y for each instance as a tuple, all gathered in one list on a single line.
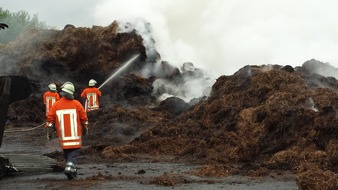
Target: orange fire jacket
[(91, 94), (68, 115), (49, 98)]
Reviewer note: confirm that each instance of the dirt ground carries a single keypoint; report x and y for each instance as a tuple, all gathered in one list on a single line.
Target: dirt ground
[(145, 172)]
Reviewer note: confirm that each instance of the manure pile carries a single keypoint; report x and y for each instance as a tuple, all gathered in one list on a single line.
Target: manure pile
[(259, 120)]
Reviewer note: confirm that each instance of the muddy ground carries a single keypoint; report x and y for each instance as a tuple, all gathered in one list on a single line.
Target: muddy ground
[(145, 172)]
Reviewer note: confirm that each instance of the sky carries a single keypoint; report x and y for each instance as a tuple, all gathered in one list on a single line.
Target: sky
[(219, 36)]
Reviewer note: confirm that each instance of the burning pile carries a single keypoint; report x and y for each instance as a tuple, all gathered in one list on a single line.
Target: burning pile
[(258, 120), (261, 118)]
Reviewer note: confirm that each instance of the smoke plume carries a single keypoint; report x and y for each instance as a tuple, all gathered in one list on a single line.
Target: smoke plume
[(218, 36)]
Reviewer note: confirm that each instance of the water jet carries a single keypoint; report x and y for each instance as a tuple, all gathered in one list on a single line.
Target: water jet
[(125, 65)]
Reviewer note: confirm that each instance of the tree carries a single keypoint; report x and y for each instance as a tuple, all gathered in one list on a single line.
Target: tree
[(17, 23)]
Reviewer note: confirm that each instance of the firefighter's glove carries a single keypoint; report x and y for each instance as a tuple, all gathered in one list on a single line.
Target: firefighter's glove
[(48, 125), (85, 128), (51, 133), (85, 124)]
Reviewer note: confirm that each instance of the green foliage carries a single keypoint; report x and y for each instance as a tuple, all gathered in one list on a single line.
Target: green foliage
[(18, 22)]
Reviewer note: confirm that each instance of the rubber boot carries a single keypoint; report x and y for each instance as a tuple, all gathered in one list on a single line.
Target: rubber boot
[(70, 170)]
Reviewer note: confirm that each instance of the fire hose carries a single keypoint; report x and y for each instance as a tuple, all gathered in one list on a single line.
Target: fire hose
[(25, 130)]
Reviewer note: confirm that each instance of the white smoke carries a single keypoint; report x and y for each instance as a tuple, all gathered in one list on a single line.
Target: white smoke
[(220, 36), (8, 67), (144, 29), (188, 89), (312, 104), (191, 88)]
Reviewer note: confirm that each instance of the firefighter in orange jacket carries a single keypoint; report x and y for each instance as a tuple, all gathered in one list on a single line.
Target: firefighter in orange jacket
[(50, 97), (91, 93), (71, 123)]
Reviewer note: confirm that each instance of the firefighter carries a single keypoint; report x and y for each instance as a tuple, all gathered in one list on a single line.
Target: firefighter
[(71, 124), (91, 94), (50, 97)]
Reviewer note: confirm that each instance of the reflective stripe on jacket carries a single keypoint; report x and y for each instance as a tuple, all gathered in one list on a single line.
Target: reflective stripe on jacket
[(68, 116), (91, 94), (93, 102), (49, 98)]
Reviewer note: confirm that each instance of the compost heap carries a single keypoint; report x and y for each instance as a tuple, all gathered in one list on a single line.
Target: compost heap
[(259, 120)]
